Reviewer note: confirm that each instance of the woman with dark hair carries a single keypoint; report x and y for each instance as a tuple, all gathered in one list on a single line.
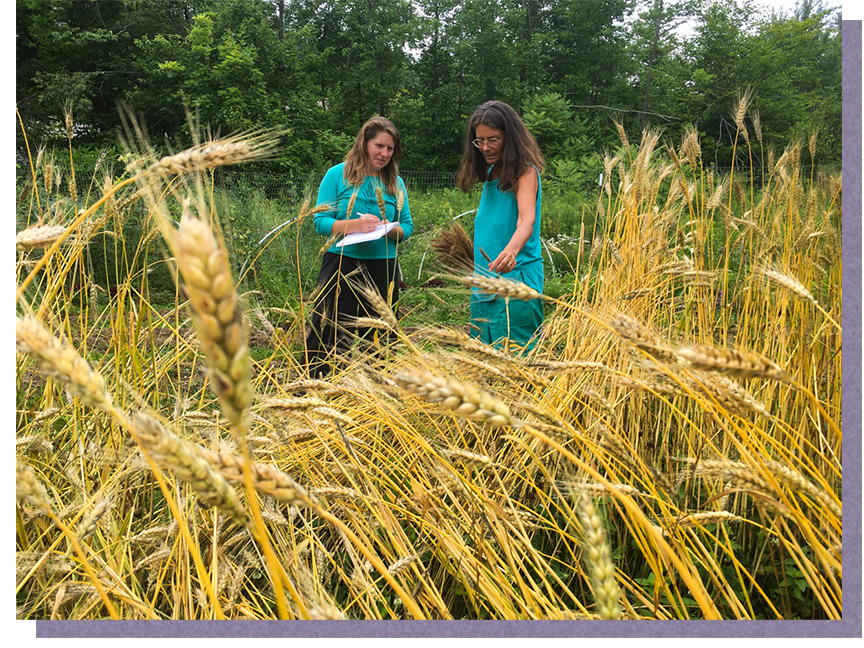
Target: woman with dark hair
[(502, 153), (362, 193)]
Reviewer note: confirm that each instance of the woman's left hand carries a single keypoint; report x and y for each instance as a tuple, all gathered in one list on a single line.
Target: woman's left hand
[(504, 262)]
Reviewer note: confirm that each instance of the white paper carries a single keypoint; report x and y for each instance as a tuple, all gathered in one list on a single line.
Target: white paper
[(360, 237)]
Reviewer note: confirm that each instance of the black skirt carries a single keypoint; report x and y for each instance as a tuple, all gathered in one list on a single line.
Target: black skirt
[(333, 328)]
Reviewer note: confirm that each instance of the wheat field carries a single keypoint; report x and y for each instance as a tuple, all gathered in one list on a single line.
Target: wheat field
[(670, 449)]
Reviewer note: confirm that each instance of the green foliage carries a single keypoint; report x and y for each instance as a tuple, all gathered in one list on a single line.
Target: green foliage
[(318, 70), (559, 132)]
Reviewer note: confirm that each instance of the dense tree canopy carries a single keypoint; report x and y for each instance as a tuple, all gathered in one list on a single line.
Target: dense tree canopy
[(320, 68)]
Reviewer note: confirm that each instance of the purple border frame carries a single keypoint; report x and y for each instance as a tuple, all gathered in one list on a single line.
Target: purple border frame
[(849, 626)]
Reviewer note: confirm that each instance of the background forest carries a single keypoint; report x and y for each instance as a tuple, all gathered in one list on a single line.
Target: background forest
[(322, 68)]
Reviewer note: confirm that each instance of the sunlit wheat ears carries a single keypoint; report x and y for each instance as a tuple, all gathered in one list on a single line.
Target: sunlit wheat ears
[(351, 202), (599, 561), (788, 282), (203, 264), (265, 479), (739, 111), (463, 399), (743, 364), (48, 174), (642, 338), (185, 461), (30, 489), (747, 476), (54, 359), (756, 119), (622, 133), (498, 286), (379, 196), (690, 147), (364, 286), (90, 522), (39, 236), (730, 395), (209, 155)]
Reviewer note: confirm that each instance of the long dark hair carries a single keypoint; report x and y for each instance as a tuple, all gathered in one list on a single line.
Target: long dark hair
[(519, 150), (357, 159)]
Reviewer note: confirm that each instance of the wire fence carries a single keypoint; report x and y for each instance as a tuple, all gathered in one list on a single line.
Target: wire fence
[(293, 189), (297, 187)]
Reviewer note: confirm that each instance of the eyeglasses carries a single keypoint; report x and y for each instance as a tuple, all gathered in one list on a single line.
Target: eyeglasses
[(493, 142)]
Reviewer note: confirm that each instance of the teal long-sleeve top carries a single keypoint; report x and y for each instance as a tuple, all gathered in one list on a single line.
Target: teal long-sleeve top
[(336, 192)]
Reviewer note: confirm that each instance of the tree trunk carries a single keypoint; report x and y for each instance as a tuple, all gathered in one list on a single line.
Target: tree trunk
[(657, 23), (281, 8)]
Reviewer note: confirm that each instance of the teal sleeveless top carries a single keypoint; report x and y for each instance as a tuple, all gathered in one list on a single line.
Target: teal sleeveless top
[(494, 225)]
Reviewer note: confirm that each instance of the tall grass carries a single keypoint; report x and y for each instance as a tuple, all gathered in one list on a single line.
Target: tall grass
[(671, 449)]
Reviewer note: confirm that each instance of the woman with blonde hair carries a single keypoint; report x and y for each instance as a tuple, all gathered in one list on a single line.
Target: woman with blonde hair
[(362, 193), (501, 153)]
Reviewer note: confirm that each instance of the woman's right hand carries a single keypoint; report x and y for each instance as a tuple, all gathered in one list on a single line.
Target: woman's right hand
[(366, 223)]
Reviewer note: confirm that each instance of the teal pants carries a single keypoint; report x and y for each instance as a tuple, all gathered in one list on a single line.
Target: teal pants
[(498, 320)]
